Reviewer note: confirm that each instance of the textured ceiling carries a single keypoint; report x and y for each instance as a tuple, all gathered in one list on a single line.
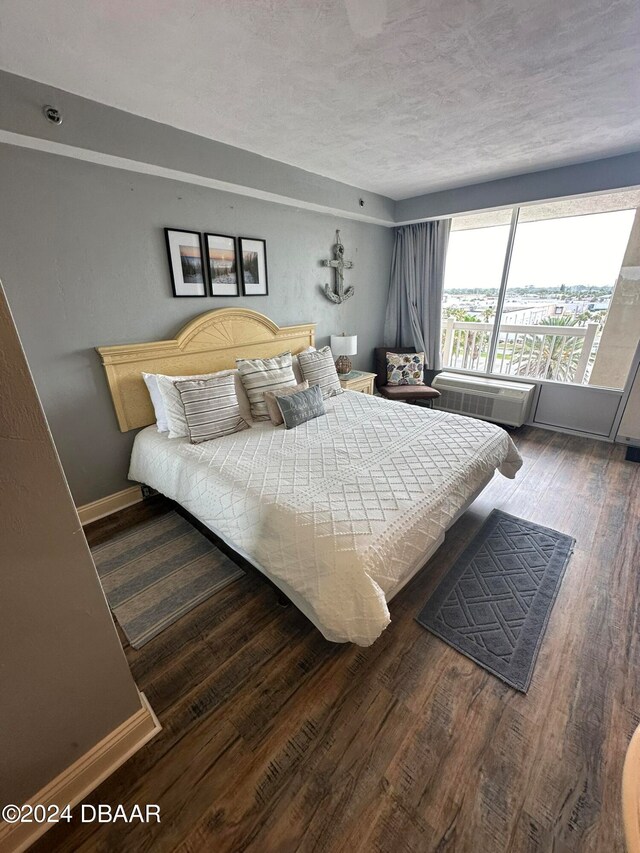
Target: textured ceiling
[(397, 96)]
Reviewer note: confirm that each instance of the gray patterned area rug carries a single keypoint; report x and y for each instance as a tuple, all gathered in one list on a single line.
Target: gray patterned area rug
[(156, 572), (494, 604)]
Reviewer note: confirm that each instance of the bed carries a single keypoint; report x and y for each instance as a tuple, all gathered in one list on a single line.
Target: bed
[(340, 512)]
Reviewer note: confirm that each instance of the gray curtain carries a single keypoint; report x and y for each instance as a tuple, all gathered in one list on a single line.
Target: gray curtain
[(415, 291)]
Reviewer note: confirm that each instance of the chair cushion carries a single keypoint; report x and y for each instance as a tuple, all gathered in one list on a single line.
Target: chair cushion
[(405, 368), (408, 392), (380, 357)]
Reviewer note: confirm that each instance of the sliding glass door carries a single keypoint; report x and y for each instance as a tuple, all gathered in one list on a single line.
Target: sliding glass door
[(473, 274), (565, 264), (549, 293)]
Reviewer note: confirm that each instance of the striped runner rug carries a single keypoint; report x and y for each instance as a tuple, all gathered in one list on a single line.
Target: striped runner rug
[(157, 571)]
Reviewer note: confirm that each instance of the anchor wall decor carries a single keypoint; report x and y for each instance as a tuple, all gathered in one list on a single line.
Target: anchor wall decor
[(339, 265)]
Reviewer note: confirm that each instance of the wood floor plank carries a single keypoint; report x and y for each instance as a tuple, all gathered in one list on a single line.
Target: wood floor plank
[(275, 740)]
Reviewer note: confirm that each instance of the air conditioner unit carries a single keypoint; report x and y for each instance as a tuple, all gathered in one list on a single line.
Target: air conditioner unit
[(489, 399)]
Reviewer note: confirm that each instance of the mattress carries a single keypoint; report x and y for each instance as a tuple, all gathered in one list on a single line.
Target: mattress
[(340, 511)]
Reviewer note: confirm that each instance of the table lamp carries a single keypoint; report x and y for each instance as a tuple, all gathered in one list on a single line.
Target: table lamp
[(343, 346)]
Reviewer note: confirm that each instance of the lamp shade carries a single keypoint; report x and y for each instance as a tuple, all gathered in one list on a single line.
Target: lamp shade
[(344, 344)]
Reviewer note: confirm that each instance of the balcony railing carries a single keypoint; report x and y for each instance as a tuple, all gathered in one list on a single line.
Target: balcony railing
[(563, 353)]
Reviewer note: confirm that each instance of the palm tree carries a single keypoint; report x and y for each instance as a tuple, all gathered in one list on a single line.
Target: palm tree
[(549, 356)]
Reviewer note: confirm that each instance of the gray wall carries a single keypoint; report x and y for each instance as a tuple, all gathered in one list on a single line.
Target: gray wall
[(83, 261), (65, 680), (99, 128), (610, 173)]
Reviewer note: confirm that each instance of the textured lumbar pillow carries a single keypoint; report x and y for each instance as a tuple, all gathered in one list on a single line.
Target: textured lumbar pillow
[(265, 374), (300, 407), (319, 368), (211, 407), (405, 368), (270, 398)]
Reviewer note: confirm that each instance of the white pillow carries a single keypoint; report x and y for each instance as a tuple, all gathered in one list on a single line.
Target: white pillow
[(151, 381), (174, 418)]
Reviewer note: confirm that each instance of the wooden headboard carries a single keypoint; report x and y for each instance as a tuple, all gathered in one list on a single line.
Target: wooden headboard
[(210, 342)]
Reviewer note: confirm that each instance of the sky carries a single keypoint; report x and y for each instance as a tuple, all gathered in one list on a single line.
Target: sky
[(574, 250)]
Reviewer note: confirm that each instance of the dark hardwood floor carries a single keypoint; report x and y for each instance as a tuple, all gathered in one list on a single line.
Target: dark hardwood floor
[(276, 740)]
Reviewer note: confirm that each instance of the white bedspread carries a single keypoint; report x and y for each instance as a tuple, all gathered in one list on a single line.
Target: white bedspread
[(340, 511)]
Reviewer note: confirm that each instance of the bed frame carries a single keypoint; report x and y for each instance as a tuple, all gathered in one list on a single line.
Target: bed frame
[(210, 342)]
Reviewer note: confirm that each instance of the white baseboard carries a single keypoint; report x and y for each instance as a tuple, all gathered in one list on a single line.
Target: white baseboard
[(84, 775), (110, 504)]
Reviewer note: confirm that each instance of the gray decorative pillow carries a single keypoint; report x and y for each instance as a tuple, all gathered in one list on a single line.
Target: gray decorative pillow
[(270, 399), (319, 368), (211, 408), (265, 374), (301, 407)]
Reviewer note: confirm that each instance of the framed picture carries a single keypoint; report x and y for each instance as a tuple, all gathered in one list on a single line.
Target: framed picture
[(185, 262), (253, 266), (222, 263)]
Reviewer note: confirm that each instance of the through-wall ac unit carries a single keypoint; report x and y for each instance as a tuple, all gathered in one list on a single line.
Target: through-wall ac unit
[(480, 397)]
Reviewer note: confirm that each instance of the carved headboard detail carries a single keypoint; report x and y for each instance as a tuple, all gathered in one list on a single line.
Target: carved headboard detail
[(210, 342)]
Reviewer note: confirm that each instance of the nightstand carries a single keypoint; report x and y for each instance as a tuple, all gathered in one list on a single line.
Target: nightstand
[(357, 380)]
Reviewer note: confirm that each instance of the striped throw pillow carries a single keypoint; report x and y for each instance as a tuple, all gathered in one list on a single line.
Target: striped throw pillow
[(265, 374), (175, 420), (211, 408), (319, 368)]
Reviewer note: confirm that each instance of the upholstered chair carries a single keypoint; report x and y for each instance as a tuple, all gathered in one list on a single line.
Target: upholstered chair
[(420, 394)]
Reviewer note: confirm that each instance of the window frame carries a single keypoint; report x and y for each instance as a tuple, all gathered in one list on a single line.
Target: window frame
[(495, 331)]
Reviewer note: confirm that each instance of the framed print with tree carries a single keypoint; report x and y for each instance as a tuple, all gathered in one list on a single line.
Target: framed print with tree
[(222, 260), (253, 266), (185, 262)]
